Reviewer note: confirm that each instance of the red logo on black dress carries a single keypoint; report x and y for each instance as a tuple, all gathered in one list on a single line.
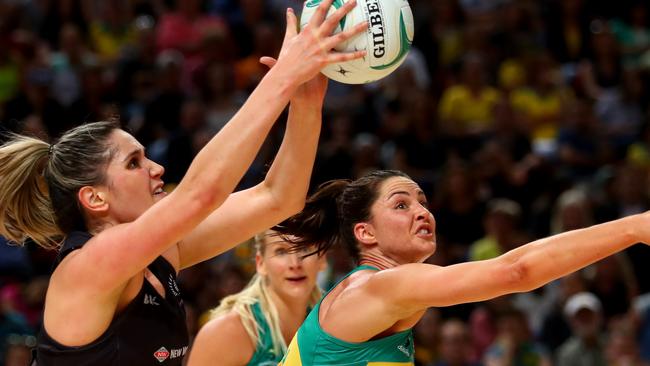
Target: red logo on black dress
[(161, 354)]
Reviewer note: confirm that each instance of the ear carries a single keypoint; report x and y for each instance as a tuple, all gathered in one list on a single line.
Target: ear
[(322, 260), (93, 199), (365, 233), (259, 264)]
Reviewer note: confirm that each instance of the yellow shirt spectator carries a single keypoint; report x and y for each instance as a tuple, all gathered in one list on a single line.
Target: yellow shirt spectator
[(109, 43), (485, 248), (542, 111), (470, 112)]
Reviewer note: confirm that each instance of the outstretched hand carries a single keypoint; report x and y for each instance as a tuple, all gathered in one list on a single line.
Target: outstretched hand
[(311, 92), (304, 54)]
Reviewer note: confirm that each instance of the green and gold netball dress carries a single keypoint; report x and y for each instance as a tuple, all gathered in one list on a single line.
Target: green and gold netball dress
[(311, 346), (264, 353)]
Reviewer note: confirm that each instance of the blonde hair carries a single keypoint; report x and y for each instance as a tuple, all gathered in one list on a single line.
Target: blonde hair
[(256, 292), (39, 182)]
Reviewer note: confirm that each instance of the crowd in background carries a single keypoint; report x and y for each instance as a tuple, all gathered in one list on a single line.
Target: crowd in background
[(519, 119)]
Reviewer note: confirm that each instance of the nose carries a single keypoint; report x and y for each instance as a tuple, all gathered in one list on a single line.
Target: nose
[(423, 213), (295, 260), (156, 170)]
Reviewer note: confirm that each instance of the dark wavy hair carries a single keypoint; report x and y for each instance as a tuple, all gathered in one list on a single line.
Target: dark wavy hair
[(332, 211)]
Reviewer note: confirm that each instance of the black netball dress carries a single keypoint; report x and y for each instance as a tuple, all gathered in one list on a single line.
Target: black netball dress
[(151, 330)]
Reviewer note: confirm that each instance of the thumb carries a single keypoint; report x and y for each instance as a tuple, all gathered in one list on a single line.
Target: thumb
[(268, 61)]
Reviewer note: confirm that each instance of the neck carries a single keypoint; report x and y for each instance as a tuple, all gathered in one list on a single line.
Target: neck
[(378, 261), (97, 227), (291, 313)]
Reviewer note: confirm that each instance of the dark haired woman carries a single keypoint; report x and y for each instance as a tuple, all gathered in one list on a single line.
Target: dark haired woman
[(383, 219)]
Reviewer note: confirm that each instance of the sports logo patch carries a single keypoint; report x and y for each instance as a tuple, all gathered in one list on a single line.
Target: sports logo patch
[(161, 354)]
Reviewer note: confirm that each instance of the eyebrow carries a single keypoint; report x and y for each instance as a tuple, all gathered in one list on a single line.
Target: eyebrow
[(134, 152), (419, 193)]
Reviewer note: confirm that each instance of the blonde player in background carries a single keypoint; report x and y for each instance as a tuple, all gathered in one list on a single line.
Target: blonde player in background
[(254, 326)]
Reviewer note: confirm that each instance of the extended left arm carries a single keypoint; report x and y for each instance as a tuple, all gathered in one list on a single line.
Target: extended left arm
[(280, 195), (522, 269)]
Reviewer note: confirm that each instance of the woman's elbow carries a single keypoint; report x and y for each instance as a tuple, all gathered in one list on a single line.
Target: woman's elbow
[(285, 202), (202, 201), (517, 277), (297, 205), (288, 206)]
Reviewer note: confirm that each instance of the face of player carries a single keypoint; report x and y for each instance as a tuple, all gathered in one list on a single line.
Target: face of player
[(133, 182), (401, 225), (289, 275)]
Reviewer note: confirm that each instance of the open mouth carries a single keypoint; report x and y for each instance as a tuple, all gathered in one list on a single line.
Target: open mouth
[(424, 232), (296, 279)]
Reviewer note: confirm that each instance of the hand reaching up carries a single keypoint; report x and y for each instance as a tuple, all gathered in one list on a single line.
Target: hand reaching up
[(304, 54)]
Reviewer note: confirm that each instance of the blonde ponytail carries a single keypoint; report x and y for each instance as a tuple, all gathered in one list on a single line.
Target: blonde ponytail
[(39, 182), (25, 206)]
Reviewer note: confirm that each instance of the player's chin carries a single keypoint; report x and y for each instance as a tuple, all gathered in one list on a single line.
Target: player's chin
[(424, 250)]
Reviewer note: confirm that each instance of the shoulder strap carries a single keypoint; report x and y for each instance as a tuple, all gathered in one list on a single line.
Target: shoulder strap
[(161, 268)]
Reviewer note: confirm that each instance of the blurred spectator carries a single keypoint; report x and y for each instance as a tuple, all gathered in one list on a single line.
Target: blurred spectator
[(638, 153), (243, 17), (555, 327), (135, 74), (466, 110), (586, 346), (507, 168), (483, 322), (622, 348), (67, 65), (518, 30), (182, 148), (367, 157), (633, 33), (580, 149), (455, 345), (459, 211), (514, 345), (248, 71), (220, 95), (501, 230), (111, 29), (568, 30), (162, 113), (12, 324), (640, 315), (8, 74), (335, 157), (604, 67), (56, 14), (34, 101), (184, 29), (572, 211), (626, 193), (612, 280), (427, 333), (539, 104), (619, 112)]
